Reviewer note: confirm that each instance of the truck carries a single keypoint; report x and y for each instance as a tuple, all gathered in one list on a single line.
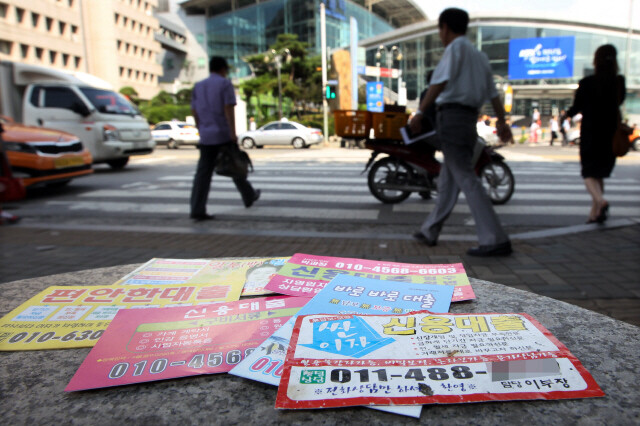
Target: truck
[(109, 125)]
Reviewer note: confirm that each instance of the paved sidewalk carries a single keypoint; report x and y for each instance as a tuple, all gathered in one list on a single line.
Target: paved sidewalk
[(598, 270)]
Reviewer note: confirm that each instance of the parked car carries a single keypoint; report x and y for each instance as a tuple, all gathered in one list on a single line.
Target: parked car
[(41, 156), (175, 133), (281, 133)]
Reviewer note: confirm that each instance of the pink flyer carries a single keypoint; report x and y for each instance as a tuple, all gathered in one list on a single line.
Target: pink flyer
[(305, 274), (142, 345)]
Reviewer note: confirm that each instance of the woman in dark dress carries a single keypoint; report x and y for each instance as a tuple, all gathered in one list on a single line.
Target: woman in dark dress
[(598, 99)]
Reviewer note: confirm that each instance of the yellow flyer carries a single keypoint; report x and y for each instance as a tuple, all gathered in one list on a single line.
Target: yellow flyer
[(247, 277), (251, 274), (76, 316)]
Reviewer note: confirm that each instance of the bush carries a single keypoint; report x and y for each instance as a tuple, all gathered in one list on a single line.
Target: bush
[(155, 114)]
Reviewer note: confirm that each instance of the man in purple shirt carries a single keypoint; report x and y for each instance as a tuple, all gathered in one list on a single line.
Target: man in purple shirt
[(212, 105)]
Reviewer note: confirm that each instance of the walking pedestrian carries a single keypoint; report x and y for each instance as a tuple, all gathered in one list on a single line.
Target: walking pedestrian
[(461, 83), (533, 132), (212, 105), (555, 128), (598, 98)]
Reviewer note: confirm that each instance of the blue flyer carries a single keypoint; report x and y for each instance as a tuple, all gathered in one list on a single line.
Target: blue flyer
[(346, 294)]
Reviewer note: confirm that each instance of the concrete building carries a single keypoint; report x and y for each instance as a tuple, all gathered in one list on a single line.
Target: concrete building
[(235, 29), (111, 39)]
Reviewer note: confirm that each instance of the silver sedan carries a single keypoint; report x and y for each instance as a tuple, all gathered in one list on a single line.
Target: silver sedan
[(281, 133)]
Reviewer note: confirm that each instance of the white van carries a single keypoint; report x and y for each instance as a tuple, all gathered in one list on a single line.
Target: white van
[(108, 125)]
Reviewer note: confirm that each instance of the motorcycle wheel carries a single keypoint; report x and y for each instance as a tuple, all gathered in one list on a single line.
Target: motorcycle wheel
[(389, 171), (498, 181)]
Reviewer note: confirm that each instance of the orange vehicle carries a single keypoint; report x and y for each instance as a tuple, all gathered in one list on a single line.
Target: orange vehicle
[(41, 156)]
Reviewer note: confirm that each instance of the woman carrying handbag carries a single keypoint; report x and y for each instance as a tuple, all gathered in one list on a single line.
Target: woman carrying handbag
[(598, 98)]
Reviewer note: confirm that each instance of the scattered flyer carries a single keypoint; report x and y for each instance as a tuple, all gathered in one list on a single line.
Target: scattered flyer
[(142, 345), (76, 316), (424, 358), (251, 275), (243, 277), (345, 294), (164, 272), (305, 274)]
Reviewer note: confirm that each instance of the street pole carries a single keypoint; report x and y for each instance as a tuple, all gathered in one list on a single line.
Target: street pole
[(278, 65), (323, 49)]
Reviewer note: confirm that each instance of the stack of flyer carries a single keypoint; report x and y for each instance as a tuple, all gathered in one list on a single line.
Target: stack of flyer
[(339, 332)]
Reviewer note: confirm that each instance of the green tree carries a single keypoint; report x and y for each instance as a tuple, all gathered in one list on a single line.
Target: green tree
[(163, 98), (301, 81), (183, 97), (131, 94)]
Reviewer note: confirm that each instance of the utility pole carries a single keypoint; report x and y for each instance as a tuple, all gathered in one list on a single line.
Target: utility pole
[(323, 50)]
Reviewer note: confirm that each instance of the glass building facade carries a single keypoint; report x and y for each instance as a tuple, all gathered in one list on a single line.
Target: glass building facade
[(423, 51), (252, 27)]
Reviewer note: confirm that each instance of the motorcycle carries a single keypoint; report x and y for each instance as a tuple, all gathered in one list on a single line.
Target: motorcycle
[(405, 169)]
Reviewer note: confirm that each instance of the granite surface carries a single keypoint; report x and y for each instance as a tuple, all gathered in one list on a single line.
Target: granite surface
[(32, 382)]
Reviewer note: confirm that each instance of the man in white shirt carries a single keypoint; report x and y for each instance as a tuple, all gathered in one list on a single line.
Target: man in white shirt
[(460, 85)]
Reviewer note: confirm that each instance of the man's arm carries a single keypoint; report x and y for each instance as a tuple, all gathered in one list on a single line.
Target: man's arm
[(504, 132), (431, 96), (230, 115)]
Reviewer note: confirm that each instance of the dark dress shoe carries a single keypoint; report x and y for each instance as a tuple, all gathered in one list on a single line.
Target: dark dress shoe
[(424, 239), (256, 197), (202, 217), (502, 249)]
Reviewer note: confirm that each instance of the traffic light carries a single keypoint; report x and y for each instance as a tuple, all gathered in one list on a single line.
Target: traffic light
[(331, 92)]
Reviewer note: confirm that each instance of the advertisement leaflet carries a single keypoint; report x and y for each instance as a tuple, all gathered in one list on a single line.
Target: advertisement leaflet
[(363, 296), (305, 275), (76, 316), (244, 277), (142, 345), (424, 358)]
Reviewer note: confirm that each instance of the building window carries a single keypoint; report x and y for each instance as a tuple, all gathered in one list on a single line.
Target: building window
[(125, 20), (53, 56), (119, 44), (3, 10), (121, 70), (65, 59), (35, 17), (49, 24), (39, 53), (71, 3), (144, 76), (19, 15), (5, 47), (77, 62), (117, 18), (129, 73), (126, 47), (62, 27), (202, 62), (137, 75), (24, 50), (135, 50)]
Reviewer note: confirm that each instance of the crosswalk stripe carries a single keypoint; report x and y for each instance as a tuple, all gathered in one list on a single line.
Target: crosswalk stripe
[(324, 198)]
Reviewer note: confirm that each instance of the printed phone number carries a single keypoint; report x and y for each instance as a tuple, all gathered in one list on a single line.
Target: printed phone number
[(392, 270), (159, 365), (342, 375), (39, 337)]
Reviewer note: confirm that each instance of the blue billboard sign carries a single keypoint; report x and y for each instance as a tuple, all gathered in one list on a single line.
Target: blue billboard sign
[(548, 57), (375, 96)]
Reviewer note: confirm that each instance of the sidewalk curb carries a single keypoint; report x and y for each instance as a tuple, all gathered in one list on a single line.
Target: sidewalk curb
[(195, 230)]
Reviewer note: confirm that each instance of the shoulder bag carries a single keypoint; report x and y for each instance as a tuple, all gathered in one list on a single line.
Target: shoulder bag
[(233, 162)]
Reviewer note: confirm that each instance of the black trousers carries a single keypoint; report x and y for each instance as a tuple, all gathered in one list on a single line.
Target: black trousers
[(202, 181)]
